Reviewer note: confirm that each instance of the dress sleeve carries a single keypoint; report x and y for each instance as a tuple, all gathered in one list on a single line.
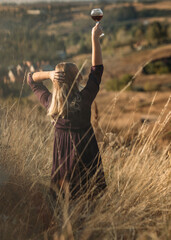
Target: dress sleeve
[(92, 87), (41, 92)]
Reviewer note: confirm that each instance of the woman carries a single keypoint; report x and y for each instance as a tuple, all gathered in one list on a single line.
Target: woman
[(76, 158)]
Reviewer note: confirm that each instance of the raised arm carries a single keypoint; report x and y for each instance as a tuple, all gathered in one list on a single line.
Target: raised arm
[(92, 87), (52, 75), (96, 48), (35, 82), (40, 76)]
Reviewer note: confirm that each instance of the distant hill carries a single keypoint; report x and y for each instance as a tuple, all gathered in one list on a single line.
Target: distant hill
[(101, 1)]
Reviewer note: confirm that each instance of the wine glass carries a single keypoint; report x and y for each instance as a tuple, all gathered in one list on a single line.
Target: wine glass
[(97, 15)]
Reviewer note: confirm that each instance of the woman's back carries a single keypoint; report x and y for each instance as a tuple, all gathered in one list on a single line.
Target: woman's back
[(81, 116)]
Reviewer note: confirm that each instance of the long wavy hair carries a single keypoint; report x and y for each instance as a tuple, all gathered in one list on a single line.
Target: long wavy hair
[(65, 96)]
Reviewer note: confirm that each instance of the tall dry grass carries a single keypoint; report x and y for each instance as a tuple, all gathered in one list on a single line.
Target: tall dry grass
[(136, 204)]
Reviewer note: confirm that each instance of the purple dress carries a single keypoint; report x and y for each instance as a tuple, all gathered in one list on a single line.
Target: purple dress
[(76, 156)]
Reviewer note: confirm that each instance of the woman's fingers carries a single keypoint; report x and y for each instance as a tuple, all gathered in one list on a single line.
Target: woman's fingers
[(97, 30), (59, 76), (59, 73)]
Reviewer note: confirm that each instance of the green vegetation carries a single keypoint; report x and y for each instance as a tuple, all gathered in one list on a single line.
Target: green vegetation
[(156, 33), (154, 13), (117, 84), (158, 67), (120, 14), (149, 86), (13, 89), (25, 44), (38, 37), (58, 28)]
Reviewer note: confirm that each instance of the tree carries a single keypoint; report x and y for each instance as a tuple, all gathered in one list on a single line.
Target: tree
[(156, 33), (125, 13), (123, 36), (169, 31)]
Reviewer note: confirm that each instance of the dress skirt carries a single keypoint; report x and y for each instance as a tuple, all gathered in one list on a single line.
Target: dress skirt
[(76, 160)]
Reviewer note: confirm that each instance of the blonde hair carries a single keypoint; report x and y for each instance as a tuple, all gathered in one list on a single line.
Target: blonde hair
[(63, 92)]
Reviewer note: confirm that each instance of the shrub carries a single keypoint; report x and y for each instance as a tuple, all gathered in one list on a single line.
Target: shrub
[(85, 47), (123, 36), (125, 13), (149, 86), (14, 89), (145, 13), (74, 38), (117, 84), (156, 67), (156, 33)]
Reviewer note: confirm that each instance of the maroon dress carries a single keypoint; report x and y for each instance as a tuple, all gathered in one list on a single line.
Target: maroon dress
[(76, 156)]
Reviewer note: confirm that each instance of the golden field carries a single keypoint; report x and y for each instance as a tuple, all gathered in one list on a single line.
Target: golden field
[(136, 159), (133, 130)]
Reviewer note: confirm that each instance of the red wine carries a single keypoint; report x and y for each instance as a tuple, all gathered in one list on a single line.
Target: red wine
[(97, 18)]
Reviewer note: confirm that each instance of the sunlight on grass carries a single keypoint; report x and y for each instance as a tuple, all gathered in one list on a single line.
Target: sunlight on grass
[(138, 176)]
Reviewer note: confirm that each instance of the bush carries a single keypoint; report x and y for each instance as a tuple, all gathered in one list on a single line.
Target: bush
[(123, 36), (30, 45), (14, 89), (125, 13), (149, 86), (156, 33), (146, 13), (85, 46), (74, 38), (157, 67), (117, 84)]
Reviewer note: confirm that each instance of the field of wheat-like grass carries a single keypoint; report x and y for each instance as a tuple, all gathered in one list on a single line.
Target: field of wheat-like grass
[(136, 204)]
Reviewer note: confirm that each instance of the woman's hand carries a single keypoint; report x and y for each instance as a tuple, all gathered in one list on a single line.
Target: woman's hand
[(96, 31), (57, 76), (51, 75), (28, 77)]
